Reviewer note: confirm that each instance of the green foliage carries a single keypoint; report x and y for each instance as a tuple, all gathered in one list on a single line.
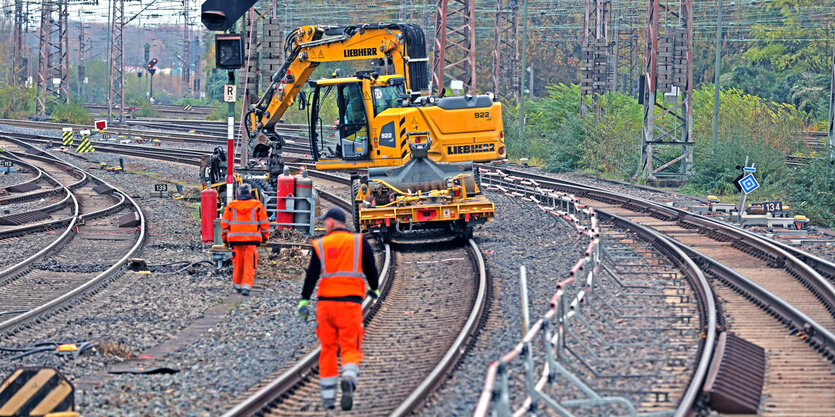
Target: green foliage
[(812, 191), (193, 101), (807, 91), (559, 138), (16, 102), (221, 111), (73, 113), (787, 40), (750, 126), (144, 108)]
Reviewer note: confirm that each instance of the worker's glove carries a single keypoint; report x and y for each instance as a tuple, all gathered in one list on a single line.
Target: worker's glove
[(302, 309), (374, 294), (264, 241)]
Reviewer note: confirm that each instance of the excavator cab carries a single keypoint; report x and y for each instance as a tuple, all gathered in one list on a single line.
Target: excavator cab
[(343, 110)]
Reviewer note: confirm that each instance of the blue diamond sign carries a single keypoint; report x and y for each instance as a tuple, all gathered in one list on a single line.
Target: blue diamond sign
[(748, 184)]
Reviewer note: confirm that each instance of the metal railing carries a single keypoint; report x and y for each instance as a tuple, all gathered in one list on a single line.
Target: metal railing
[(290, 207), (553, 327)]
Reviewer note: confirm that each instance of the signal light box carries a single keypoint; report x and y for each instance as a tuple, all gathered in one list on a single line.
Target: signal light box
[(229, 51)]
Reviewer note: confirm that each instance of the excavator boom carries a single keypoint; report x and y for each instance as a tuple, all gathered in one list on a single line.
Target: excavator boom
[(402, 46)]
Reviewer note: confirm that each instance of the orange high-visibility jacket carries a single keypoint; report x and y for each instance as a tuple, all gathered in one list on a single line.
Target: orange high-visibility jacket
[(245, 222), (340, 254)]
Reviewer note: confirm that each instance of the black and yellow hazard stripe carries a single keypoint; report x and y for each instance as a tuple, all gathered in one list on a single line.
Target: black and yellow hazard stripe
[(187, 107), (67, 138), (35, 392), (85, 145)]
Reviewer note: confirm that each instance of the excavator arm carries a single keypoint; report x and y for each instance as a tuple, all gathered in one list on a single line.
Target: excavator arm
[(400, 45)]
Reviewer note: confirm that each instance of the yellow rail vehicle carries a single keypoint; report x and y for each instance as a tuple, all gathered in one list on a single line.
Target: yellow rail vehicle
[(375, 124), (417, 151)]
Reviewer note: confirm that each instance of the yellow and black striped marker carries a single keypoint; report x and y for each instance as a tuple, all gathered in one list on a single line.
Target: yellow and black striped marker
[(187, 107), (31, 391), (85, 145), (67, 137)]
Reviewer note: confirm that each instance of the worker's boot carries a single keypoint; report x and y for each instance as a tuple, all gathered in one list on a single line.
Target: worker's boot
[(237, 287), (245, 292), (328, 404), (347, 394), (350, 373)]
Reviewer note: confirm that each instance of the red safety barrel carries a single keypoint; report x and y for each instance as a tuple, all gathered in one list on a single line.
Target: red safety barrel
[(208, 214), (286, 187)]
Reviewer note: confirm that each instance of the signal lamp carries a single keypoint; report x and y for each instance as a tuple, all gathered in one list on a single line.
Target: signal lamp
[(229, 51)]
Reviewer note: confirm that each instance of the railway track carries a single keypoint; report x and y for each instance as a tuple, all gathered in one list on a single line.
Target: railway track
[(774, 296), (208, 127), (196, 111), (91, 250), (418, 309), (157, 131), (42, 217), (168, 153)]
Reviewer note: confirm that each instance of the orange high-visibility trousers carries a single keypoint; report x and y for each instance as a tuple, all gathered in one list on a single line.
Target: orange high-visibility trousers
[(244, 259), (340, 331)]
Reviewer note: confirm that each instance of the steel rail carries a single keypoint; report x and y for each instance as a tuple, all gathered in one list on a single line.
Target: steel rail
[(68, 198), (819, 336), (298, 372), (93, 283), (704, 295), (177, 155), (31, 180), (293, 376), (810, 268), (20, 267), (459, 346), (128, 132)]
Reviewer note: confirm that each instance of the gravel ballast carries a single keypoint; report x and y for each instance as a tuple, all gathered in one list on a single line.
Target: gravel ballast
[(519, 235), (138, 312)]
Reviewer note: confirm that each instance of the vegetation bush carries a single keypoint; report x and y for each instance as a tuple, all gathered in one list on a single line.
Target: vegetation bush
[(812, 191), (16, 102), (557, 137), (144, 108), (607, 143), (193, 101), (73, 113), (220, 111), (751, 126)]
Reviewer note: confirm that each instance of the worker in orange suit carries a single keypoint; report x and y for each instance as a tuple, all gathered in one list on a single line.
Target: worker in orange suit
[(341, 258), (244, 225)]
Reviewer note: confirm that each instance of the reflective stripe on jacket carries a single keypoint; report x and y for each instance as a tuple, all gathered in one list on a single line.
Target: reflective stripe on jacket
[(340, 255), (245, 221)]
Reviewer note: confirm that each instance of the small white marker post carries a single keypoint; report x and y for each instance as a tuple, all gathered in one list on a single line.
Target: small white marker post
[(230, 97), (523, 290)]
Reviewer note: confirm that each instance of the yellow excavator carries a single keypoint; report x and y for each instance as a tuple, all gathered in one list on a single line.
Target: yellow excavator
[(415, 151)]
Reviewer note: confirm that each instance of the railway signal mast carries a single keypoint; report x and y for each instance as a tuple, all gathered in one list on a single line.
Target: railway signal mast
[(152, 68), (116, 93), (53, 56), (596, 63), (454, 55), (506, 51), (219, 15), (666, 89)]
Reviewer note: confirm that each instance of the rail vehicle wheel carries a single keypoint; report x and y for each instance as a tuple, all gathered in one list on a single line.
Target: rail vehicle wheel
[(386, 236)]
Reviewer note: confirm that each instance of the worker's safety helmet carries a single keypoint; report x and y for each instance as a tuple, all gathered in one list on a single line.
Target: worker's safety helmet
[(244, 190)]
